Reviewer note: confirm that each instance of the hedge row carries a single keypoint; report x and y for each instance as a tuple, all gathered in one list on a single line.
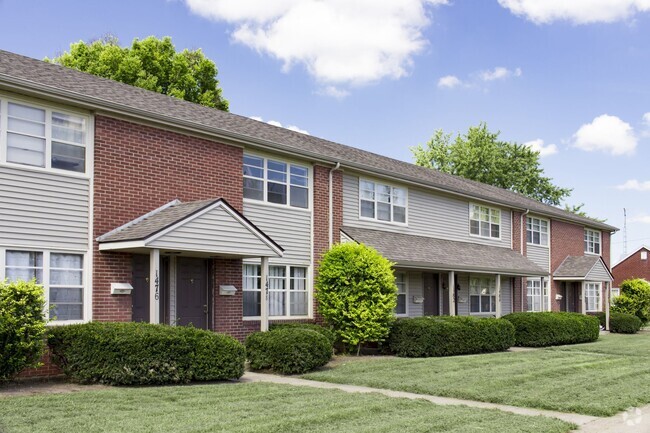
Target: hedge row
[(447, 336), (327, 332), (553, 329), (144, 354), (621, 323)]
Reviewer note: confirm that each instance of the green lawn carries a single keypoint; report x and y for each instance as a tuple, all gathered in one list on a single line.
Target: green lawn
[(249, 407), (599, 379)]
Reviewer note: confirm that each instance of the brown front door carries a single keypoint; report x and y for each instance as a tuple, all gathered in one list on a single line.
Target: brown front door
[(192, 292), (431, 294)]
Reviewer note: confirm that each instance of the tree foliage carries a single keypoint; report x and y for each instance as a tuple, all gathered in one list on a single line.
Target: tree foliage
[(152, 64), (356, 293), (479, 155), (634, 299)]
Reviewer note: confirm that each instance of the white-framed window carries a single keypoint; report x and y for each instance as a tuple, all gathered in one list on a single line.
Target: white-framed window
[(275, 181), (644, 255), (482, 295), (400, 282), (537, 231), (537, 295), (614, 292), (382, 202), (287, 291), (38, 136), (593, 301), (592, 241), (60, 274), (484, 221)]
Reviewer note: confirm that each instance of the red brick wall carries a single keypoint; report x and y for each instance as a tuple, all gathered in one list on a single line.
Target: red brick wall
[(48, 369), (632, 267), (518, 232)]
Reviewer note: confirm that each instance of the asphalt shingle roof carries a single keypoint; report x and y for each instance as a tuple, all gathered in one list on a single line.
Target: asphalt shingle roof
[(576, 266), (411, 250), (33, 75)]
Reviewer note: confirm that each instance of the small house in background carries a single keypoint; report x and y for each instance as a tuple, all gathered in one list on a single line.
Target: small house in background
[(634, 265)]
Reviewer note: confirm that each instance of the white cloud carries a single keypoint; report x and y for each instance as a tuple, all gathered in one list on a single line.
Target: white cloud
[(635, 185), (644, 219), (340, 42), (646, 119), (608, 134), (449, 82), (539, 146), (499, 73), (334, 92), (576, 11), (278, 124)]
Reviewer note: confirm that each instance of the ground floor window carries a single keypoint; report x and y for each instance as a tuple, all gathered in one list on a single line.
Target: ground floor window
[(537, 295), (61, 275), (287, 291), (400, 282), (482, 295), (592, 297)]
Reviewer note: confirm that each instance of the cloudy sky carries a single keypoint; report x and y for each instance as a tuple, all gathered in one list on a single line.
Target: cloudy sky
[(570, 78)]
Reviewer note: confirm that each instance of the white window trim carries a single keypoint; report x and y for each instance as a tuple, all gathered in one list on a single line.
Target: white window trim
[(545, 298), (469, 296), (548, 232), (87, 290), (265, 181), (308, 284), (406, 293), (599, 308), (375, 219), (49, 108), (479, 236), (600, 242)]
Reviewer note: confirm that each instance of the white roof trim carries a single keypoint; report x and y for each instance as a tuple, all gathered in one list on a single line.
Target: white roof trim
[(642, 247)]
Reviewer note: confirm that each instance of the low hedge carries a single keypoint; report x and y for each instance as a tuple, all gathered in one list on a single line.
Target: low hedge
[(621, 323), (327, 332), (144, 354), (447, 336), (553, 329), (288, 350)]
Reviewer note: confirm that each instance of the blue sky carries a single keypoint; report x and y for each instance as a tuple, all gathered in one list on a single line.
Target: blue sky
[(571, 76)]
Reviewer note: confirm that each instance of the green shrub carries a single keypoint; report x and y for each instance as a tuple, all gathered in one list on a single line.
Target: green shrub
[(22, 326), (621, 323), (634, 299), (327, 332), (553, 329), (356, 293), (288, 350), (142, 353), (447, 336)]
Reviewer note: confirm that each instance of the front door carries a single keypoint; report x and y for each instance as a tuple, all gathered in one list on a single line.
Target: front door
[(140, 295), (431, 294), (192, 292)]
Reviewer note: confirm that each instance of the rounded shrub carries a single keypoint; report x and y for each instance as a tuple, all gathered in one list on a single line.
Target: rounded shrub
[(553, 329), (144, 354), (327, 332), (634, 299), (22, 326), (621, 323), (447, 336), (290, 350)]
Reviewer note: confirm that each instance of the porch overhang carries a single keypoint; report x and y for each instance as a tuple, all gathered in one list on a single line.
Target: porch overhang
[(583, 268), (201, 229)]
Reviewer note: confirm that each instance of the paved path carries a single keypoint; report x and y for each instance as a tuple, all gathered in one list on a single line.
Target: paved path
[(631, 421)]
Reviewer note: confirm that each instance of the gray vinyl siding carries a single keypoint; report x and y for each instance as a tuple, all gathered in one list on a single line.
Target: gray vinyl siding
[(215, 231), (414, 290), (428, 214), (44, 210), (291, 228), (539, 255), (598, 273)]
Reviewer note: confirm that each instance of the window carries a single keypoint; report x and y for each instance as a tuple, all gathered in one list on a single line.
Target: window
[(614, 292), (644, 255), (287, 291), (382, 202), (592, 241), (537, 231), (592, 297), (276, 182), (400, 282), (46, 138), (534, 293), (60, 273), (484, 221), (482, 295)]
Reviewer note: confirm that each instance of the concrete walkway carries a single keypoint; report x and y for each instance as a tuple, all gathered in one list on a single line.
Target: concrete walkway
[(635, 420)]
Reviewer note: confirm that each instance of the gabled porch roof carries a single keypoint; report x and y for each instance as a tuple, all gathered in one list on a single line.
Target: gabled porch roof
[(583, 268)]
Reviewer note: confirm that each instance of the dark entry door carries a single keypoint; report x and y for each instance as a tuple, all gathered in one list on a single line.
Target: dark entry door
[(431, 294), (140, 295), (191, 292)]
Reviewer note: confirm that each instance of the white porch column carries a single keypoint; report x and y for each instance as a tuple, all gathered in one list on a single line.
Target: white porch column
[(583, 299), (608, 295), (498, 295), (264, 296), (452, 293), (541, 294), (154, 286)]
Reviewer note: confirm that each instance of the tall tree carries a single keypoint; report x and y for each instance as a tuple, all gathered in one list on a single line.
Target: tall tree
[(150, 63), (480, 155)]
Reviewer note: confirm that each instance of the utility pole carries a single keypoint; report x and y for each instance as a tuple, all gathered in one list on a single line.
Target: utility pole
[(624, 232)]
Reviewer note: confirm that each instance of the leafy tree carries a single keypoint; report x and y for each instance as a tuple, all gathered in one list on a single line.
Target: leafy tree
[(577, 209), (150, 63), (356, 293), (634, 299), (480, 155)]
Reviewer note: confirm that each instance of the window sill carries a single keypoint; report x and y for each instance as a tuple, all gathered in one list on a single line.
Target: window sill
[(55, 171), (276, 205), (486, 238), (272, 318), (392, 223), (65, 322), (536, 245), (592, 254)]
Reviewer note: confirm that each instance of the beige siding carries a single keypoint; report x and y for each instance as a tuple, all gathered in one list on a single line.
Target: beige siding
[(539, 255), (44, 210)]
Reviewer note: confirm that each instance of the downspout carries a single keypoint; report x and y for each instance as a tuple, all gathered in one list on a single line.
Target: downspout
[(331, 206), (521, 250)]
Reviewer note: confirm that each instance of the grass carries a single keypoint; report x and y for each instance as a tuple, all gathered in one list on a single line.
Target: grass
[(600, 379), (249, 407)]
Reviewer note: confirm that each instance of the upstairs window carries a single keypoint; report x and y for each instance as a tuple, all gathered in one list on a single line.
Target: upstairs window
[(592, 241), (484, 221), (537, 231), (276, 182), (382, 202)]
